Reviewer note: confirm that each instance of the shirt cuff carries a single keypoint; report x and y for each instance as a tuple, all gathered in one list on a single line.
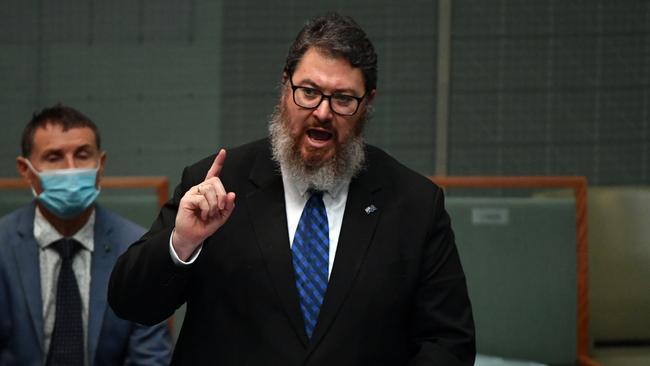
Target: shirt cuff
[(177, 261)]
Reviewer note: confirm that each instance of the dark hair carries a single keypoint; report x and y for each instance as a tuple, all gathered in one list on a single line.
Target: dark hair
[(339, 36), (64, 116)]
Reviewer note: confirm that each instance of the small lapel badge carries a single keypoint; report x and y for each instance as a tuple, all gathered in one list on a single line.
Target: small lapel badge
[(370, 209)]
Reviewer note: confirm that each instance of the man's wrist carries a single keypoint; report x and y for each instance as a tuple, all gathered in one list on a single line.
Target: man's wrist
[(178, 257)]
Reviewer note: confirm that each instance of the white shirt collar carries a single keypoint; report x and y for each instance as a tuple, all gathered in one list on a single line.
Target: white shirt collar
[(45, 234)]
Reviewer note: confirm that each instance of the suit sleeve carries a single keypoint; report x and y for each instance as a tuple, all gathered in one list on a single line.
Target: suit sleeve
[(146, 286), (149, 346), (442, 325), (5, 312)]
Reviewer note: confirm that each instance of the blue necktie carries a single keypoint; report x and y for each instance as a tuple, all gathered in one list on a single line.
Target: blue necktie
[(311, 259), (66, 346)]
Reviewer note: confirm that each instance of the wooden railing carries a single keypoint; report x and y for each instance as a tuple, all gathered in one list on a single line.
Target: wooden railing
[(159, 184)]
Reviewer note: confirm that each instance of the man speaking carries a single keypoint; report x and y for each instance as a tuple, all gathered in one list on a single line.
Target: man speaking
[(309, 247)]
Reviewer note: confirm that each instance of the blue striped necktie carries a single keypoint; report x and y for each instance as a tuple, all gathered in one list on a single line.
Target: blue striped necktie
[(311, 259)]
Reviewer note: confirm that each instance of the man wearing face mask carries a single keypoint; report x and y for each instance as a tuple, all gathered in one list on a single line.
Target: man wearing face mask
[(56, 255)]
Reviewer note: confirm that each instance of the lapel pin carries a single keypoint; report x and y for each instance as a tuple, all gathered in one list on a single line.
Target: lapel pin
[(107, 248), (370, 209)]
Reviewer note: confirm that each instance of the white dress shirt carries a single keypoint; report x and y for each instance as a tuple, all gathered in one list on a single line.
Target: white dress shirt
[(295, 198), (50, 265)]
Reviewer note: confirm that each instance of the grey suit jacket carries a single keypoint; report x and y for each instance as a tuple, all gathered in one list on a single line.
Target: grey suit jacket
[(111, 341), (396, 294)]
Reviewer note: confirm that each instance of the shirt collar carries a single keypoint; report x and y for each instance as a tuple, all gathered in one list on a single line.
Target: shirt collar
[(45, 234)]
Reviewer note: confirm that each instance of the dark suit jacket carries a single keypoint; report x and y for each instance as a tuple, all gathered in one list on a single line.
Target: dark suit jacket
[(111, 341), (396, 294)]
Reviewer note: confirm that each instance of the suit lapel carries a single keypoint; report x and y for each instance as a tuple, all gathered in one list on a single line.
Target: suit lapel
[(357, 230), (27, 260), (100, 269), (268, 214)]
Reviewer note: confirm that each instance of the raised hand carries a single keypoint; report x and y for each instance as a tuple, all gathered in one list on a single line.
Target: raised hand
[(202, 211)]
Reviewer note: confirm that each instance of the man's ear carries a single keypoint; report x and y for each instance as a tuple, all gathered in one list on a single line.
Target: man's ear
[(100, 167), (371, 96), (27, 174)]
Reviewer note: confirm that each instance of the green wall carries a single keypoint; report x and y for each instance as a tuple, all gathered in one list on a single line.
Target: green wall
[(537, 87), (148, 73)]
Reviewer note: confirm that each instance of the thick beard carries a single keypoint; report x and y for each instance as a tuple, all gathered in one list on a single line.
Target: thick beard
[(346, 163)]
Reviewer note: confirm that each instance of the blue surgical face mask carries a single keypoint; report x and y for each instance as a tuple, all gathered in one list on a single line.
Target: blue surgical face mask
[(67, 192)]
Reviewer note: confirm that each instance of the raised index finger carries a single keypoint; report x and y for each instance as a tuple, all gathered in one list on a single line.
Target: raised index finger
[(217, 164)]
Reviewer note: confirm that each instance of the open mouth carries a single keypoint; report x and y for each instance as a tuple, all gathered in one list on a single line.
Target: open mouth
[(319, 135)]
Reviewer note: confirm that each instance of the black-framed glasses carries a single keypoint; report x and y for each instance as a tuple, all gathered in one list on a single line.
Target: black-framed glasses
[(343, 104)]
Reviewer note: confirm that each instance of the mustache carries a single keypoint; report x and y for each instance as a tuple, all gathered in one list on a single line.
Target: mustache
[(348, 161)]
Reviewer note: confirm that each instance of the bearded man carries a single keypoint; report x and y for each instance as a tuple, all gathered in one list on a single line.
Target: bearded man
[(334, 254)]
